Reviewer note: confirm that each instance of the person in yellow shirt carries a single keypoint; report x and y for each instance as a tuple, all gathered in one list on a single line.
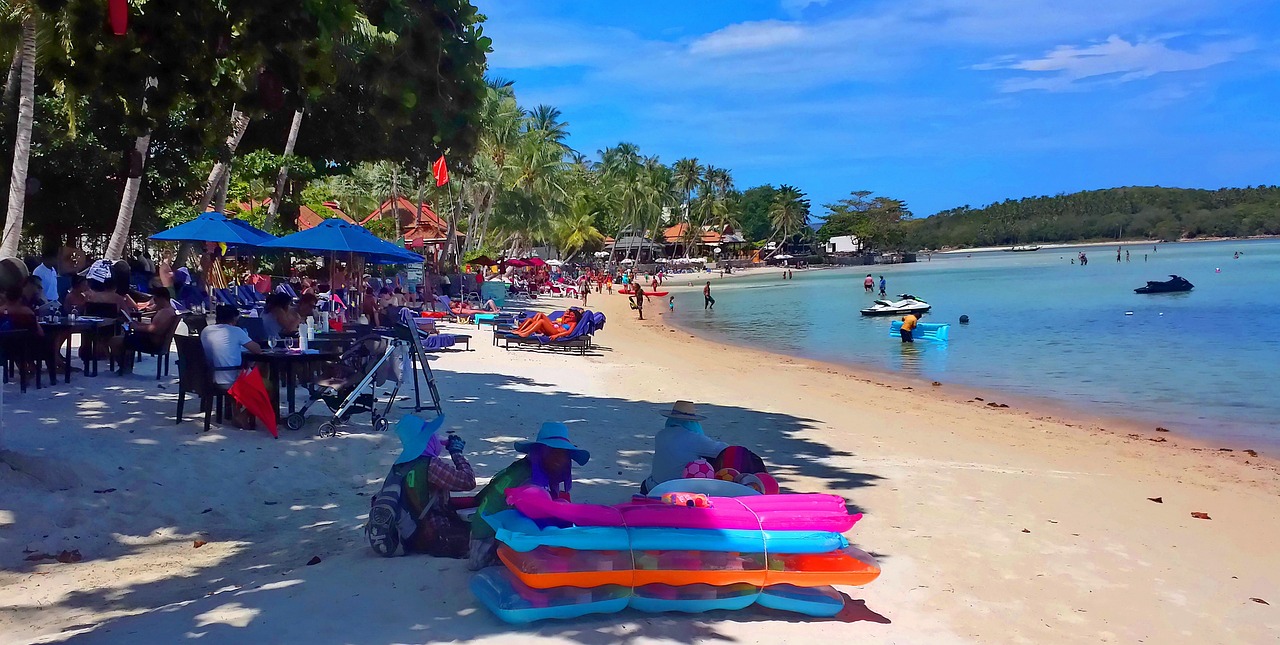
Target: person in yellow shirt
[(908, 326)]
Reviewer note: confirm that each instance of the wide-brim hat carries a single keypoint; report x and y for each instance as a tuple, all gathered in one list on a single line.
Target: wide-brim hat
[(415, 434), (555, 435), (684, 410)]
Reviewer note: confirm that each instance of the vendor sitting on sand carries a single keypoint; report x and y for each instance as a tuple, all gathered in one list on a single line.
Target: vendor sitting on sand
[(413, 508), (547, 463), (678, 443)]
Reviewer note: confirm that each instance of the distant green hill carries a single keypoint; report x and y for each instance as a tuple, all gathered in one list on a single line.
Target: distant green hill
[(1133, 212)]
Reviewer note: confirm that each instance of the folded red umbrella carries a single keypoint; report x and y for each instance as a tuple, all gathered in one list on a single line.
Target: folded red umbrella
[(251, 392)]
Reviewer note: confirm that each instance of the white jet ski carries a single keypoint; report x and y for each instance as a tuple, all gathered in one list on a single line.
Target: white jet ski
[(907, 304)]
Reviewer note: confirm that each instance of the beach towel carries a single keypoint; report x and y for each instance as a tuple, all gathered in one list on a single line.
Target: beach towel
[(438, 341), (251, 392)]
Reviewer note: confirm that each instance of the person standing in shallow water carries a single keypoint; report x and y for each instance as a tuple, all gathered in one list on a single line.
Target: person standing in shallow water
[(707, 301), (869, 284), (882, 286)]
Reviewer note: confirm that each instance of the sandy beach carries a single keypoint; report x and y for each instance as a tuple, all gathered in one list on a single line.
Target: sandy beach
[(992, 525)]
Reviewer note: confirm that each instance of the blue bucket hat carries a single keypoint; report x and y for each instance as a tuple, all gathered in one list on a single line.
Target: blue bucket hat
[(555, 435), (415, 435)]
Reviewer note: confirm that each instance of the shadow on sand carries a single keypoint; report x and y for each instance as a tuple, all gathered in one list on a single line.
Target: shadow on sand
[(314, 500)]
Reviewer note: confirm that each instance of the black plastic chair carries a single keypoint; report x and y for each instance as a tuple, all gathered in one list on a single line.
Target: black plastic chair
[(22, 349), (196, 376)]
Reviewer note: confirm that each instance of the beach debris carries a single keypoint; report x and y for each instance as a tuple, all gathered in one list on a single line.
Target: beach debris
[(936, 383), (105, 490), (36, 557), (978, 398), (198, 543), (70, 557), (1026, 530), (1128, 313), (207, 510), (1158, 439), (1201, 516), (993, 404), (1225, 450), (1260, 601), (1160, 429), (1251, 453), (315, 559), (270, 503), (1158, 500)]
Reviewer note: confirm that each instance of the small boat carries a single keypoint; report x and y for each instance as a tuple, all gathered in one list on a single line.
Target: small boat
[(1174, 284), (1023, 248), (906, 305)]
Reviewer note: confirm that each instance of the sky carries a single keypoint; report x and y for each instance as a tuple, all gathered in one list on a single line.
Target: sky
[(941, 103)]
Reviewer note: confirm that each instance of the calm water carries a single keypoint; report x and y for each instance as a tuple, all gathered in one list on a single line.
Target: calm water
[(1205, 362)]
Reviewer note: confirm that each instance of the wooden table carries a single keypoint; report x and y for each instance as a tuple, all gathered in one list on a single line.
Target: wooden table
[(88, 328), (278, 360)]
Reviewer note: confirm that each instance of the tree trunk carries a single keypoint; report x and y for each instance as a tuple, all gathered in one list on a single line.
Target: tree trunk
[(220, 195), (124, 218), (22, 143), (15, 73), (284, 170), (221, 169)]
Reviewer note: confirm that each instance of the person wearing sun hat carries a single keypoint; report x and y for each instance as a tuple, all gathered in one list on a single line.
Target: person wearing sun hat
[(548, 463), (678, 443), (413, 507)]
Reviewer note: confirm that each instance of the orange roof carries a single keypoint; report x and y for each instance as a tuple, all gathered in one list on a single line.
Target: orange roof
[(677, 233), (411, 216), (309, 218)]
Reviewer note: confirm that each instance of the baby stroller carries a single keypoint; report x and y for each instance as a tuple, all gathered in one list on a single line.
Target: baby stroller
[(350, 386)]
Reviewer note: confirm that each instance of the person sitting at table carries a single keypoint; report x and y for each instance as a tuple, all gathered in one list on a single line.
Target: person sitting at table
[(224, 345), (369, 307), (33, 294), (78, 296), (146, 337), (306, 308), (278, 319), (15, 314)]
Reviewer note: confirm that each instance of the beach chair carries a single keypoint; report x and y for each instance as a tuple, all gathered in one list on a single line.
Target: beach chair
[(578, 338), (21, 349), (161, 349)]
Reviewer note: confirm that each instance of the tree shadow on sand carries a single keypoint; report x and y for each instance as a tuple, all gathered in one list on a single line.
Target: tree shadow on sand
[(260, 591)]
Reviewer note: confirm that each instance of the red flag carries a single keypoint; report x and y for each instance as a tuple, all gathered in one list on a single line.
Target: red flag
[(441, 171), (250, 392)]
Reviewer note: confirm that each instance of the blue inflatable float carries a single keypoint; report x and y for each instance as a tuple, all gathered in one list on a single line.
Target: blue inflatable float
[(924, 331)]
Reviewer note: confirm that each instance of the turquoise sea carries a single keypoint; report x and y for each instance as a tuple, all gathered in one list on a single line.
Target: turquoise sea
[(1206, 363)]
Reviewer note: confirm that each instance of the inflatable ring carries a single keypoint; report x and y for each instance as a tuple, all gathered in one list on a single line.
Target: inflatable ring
[(751, 481), (770, 484)]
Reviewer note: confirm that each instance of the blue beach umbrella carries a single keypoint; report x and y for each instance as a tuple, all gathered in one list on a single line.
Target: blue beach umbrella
[(339, 236), (216, 227)]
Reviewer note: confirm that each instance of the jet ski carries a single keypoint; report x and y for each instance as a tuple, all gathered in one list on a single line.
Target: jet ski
[(1174, 284), (907, 304)]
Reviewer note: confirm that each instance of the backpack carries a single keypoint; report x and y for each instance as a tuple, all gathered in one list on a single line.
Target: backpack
[(392, 520)]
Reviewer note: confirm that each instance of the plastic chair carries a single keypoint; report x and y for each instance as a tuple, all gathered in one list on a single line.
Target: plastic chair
[(196, 377)]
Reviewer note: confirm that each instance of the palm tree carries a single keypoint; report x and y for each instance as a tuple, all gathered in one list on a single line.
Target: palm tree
[(688, 174), (788, 213), (575, 230), (22, 140)]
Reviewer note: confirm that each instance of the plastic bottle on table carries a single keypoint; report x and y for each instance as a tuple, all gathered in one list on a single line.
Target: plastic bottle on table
[(304, 335)]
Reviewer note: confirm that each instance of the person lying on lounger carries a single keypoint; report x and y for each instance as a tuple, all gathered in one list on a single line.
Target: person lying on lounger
[(541, 324), (460, 309)]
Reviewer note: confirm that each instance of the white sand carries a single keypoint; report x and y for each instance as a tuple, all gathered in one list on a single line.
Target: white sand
[(948, 487)]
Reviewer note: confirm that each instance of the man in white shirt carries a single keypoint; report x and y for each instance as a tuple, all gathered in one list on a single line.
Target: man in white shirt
[(224, 343), (48, 274)]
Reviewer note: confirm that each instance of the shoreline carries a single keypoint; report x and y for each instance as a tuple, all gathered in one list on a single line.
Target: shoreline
[(1039, 407), (1036, 408)]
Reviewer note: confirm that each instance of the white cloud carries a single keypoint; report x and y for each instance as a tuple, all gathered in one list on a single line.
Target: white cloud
[(748, 36), (1115, 60)]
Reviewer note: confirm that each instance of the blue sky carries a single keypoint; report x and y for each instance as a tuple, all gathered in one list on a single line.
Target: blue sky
[(938, 102)]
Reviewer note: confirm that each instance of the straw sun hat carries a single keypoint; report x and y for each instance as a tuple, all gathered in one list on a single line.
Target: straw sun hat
[(683, 410)]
